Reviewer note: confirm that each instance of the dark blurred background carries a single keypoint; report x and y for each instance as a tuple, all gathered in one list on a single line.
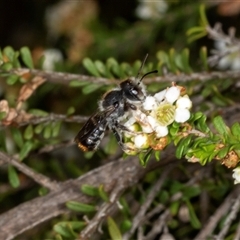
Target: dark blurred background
[(102, 28)]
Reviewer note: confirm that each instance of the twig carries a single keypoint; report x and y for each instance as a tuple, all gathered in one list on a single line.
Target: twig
[(104, 211), (66, 78), (53, 117), (237, 234), (50, 148), (158, 225), (231, 216), (27, 215), (139, 217), (208, 229), (37, 177)]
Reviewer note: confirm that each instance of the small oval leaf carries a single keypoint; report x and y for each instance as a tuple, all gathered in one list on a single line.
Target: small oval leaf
[(25, 150), (80, 207), (13, 176), (28, 133), (113, 229), (26, 56), (89, 65)]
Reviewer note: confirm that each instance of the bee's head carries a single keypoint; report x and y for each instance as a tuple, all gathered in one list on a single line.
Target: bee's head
[(133, 89)]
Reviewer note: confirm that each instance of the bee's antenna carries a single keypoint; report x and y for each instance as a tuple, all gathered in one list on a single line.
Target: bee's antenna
[(140, 70), (155, 71)]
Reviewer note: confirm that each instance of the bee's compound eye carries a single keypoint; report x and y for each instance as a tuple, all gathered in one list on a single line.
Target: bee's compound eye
[(134, 92)]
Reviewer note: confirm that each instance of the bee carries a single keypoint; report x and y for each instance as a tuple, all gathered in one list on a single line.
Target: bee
[(115, 106)]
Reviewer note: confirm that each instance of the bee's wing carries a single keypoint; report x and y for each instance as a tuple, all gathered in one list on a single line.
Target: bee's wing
[(90, 126), (97, 119)]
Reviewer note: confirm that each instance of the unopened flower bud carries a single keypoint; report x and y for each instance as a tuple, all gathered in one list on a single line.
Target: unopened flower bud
[(184, 102), (141, 141)]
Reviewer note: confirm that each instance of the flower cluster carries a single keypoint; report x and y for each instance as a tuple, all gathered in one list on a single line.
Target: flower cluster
[(151, 120)]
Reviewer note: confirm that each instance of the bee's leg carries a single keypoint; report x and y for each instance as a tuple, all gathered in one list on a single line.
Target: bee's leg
[(118, 136), (125, 129)]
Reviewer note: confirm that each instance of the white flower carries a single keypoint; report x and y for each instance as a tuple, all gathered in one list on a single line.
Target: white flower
[(149, 103), (141, 141), (172, 94), (232, 55), (160, 95), (181, 115), (52, 56), (236, 175), (184, 102), (161, 131), (151, 9)]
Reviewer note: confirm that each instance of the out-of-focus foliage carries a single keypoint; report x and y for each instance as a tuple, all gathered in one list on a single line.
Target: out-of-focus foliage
[(108, 41)]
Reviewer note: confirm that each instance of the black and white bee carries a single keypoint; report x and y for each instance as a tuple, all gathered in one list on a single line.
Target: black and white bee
[(114, 106)]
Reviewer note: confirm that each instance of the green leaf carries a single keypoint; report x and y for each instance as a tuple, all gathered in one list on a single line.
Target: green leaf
[(64, 228), (38, 112), (223, 152), (183, 145), (174, 208), (90, 88), (38, 129), (90, 66), (190, 192), (114, 67), (157, 155), (102, 69), (195, 30), (103, 194), (185, 61), (12, 79), (56, 128), (172, 57), (80, 207), (145, 157), (28, 133), (47, 132), (27, 146), (78, 83), (193, 218), (70, 110), (17, 136), (89, 190), (163, 58), (203, 17), (201, 124), (126, 225), (16, 62), (220, 126), (13, 176), (235, 129), (127, 69), (204, 57), (113, 229), (58, 237), (9, 52), (197, 36), (6, 66), (26, 57), (43, 191)]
